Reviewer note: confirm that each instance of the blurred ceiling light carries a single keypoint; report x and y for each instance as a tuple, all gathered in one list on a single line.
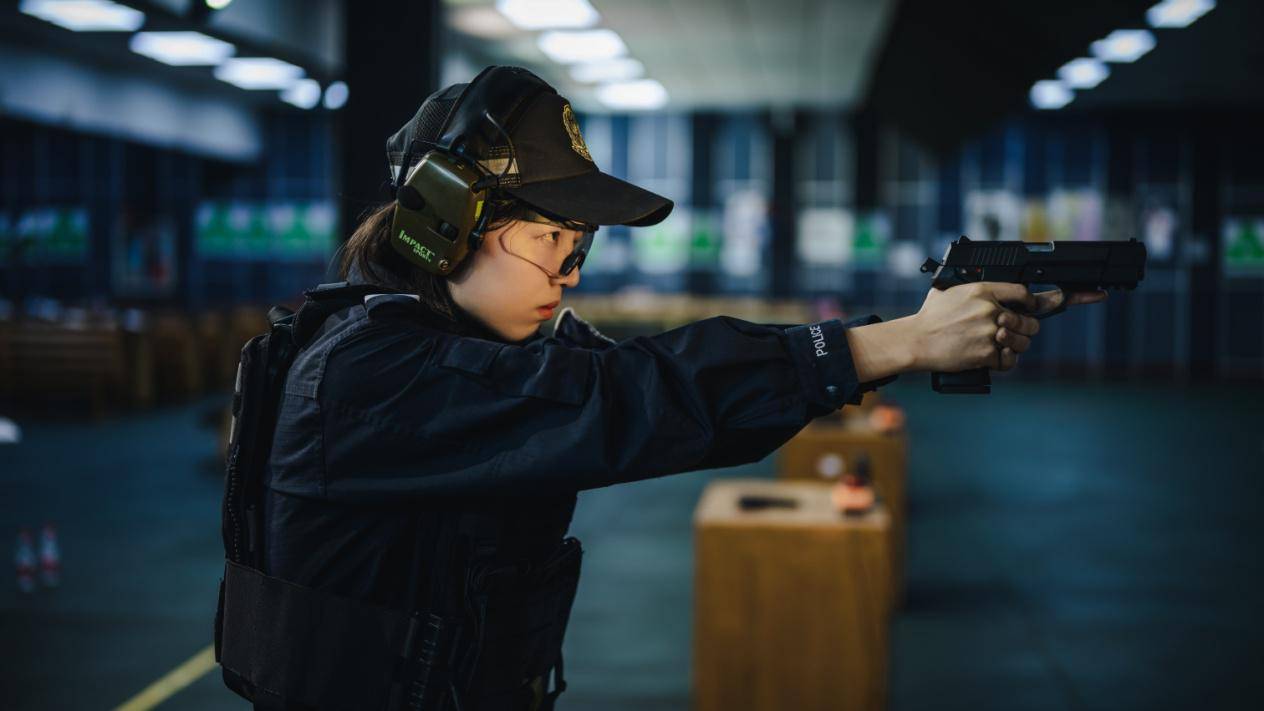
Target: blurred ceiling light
[(85, 15), (258, 73), (1083, 73), (1050, 94), (640, 95), (480, 21), (607, 70), (1123, 45), (581, 46), (1178, 13), (181, 49), (548, 14), (217, 4), (336, 95), (304, 93)]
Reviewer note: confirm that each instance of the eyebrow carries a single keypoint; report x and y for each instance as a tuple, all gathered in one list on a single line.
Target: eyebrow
[(558, 229)]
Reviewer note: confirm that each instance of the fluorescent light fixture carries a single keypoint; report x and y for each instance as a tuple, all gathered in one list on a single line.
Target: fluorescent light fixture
[(1083, 73), (258, 73), (481, 21), (1178, 13), (607, 70), (1050, 94), (336, 95), (571, 47), (85, 15), (181, 49), (217, 4), (548, 14), (640, 95), (304, 93), (1123, 45)]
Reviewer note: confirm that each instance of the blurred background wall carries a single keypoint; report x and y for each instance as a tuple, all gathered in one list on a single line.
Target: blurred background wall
[(818, 150), (1087, 539)]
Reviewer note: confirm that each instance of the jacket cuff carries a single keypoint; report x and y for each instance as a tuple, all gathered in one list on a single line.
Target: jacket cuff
[(825, 363)]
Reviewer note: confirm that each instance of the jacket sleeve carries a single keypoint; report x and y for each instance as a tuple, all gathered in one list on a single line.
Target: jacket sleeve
[(425, 415)]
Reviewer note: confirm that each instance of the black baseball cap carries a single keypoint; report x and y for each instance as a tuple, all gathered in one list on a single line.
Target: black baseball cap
[(550, 167)]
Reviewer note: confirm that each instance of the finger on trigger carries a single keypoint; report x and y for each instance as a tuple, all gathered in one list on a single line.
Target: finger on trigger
[(1052, 299)]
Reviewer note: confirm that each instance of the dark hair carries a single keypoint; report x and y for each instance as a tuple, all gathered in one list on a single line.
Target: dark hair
[(369, 252)]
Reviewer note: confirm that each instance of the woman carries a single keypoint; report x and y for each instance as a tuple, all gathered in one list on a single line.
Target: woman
[(431, 441)]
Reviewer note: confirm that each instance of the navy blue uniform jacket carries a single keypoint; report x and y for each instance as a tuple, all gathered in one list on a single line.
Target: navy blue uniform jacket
[(391, 406)]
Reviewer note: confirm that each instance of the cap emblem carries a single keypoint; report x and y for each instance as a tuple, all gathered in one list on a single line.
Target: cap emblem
[(572, 128)]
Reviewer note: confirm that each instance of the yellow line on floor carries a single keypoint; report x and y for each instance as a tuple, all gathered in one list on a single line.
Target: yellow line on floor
[(175, 680)]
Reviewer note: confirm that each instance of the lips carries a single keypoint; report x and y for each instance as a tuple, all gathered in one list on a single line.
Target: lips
[(551, 306)]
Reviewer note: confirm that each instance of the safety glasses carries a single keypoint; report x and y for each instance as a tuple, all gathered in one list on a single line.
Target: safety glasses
[(544, 249)]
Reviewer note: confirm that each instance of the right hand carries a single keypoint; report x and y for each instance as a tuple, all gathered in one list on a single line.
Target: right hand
[(969, 326)]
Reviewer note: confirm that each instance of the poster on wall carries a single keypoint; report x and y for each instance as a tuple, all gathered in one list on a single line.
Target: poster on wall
[(221, 230), (609, 253), (1242, 246), (992, 215), (143, 254), (872, 235), (1075, 215), (905, 259), (663, 248), (300, 231), (1035, 225), (1157, 221), (48, 236), (824, 236), (1158, 231), (705, 241), (1119, 219), (746, 232)]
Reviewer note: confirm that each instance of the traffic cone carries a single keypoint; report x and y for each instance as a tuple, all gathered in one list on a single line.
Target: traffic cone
[(24, 559), (50, 557)]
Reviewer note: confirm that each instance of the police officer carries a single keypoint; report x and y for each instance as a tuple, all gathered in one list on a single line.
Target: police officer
[(431, 441)]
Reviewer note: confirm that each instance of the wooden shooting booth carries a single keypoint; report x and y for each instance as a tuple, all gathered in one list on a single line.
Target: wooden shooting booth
[(830, 446), (791, 600)]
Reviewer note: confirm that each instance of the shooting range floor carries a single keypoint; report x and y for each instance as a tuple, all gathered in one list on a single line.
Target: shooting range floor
[(1071, 547)]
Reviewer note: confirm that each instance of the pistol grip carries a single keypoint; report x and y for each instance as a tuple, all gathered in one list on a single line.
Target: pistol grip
[(967, 382)]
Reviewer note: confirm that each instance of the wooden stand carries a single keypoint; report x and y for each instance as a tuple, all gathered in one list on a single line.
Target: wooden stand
[(177, 358), (44, 362), (791, 605), (822, 450)]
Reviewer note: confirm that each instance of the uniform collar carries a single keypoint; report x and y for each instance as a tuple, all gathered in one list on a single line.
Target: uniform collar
[(461, 322)]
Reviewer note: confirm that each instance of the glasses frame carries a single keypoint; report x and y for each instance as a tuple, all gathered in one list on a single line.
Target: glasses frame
[(579, 252)]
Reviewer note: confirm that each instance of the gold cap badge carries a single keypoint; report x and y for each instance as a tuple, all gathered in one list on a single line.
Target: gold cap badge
[(572, 129)]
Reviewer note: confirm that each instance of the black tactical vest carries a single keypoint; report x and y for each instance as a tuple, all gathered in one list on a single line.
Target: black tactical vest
[(491, 581)]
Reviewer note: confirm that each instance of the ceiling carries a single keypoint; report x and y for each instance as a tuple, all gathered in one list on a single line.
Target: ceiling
[(944, 74), (1213, 63), (938, 70), (721, 54)]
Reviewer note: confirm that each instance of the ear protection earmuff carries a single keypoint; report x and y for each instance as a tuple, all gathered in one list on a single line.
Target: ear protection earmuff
[(439, 207)]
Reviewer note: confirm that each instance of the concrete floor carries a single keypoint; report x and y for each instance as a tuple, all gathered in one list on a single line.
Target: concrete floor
[(1071, 547)]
